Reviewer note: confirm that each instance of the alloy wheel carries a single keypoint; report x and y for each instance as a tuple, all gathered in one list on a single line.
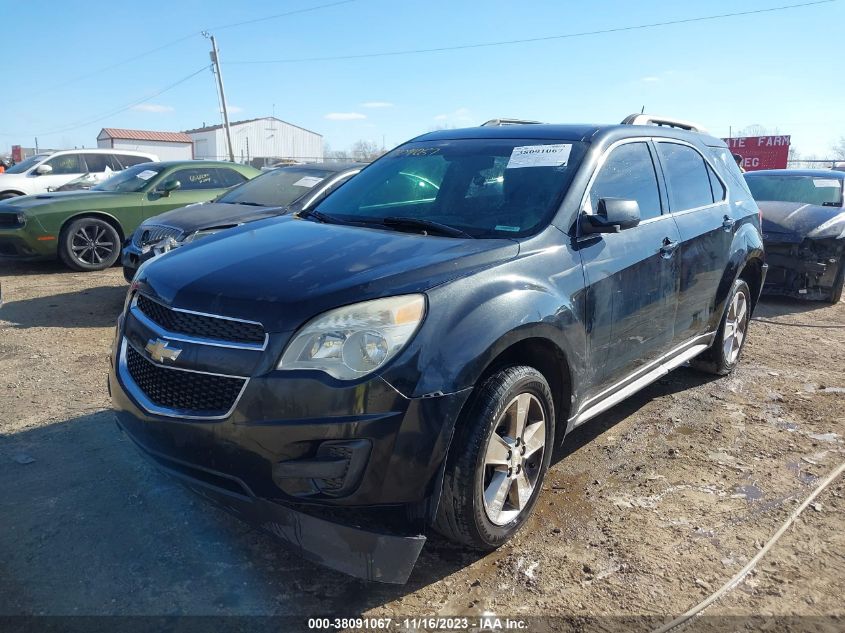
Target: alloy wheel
[(736, 325), (91, 244), (513, 459)]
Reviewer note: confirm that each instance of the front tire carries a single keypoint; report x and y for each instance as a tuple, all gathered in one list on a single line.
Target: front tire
[(498, 459), (723, 355), (89, 244)]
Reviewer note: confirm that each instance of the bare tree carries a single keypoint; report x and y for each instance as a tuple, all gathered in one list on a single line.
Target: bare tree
[(839, 149), (366, 151)]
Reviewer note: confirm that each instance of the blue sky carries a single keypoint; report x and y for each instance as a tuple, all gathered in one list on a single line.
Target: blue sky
[(780, 70)]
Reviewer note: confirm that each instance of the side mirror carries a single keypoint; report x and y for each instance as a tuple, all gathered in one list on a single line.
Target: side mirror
[(43, 170), (613, 215), (167, 186)]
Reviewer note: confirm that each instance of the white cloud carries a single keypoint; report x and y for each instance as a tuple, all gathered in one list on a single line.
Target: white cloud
[(344, 116), (235, 109), (152, 107), (377, 104), (459, 116), (651, 79)]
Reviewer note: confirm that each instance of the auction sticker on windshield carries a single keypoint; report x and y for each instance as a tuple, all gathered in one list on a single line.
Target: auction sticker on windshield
[(307, 181), (146, 174), (540, 156), (826, 182)]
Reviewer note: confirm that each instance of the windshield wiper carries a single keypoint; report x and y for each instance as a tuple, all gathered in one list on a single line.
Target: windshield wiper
[(252, 204), (426, 225), (320, 217)]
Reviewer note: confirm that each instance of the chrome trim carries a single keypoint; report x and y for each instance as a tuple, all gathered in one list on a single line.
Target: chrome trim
[(149, 406), (331, 183), (197, 340), (640, 379)]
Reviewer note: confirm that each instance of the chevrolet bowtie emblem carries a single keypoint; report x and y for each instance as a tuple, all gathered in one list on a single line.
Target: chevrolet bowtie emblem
[(161, 351)]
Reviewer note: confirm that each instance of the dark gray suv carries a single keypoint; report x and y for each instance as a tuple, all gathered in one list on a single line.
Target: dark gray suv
[(405, 354)]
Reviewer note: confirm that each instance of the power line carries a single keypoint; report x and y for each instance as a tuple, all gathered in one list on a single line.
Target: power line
[(280, 15), (123, 108), (99, 71), (620, 29)]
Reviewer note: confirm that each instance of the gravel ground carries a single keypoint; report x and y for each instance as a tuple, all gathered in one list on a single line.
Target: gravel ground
[(646, 510)]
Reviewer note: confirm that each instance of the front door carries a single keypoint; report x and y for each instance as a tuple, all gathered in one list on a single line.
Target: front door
[(632, 275), (196, 184)]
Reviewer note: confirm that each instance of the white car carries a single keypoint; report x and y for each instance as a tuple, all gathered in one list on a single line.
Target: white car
[(46, 172)]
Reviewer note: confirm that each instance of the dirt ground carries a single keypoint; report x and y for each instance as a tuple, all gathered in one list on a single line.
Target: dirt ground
[(646, 510)]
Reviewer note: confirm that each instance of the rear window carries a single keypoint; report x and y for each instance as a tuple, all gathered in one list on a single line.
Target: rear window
[(823, 191), (128, 160)]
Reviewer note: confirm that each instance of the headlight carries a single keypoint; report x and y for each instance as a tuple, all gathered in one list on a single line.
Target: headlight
[(198, 235), (355, 340)]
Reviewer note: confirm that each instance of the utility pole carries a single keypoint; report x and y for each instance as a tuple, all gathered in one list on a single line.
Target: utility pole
[(215, 59)]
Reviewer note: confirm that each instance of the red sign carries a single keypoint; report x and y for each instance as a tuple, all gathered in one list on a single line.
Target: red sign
[(17, 153), (761, 152)]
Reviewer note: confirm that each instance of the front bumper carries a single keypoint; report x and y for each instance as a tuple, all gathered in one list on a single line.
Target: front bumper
[(131, 257), (810, 269), (20, 244), (302, 453)]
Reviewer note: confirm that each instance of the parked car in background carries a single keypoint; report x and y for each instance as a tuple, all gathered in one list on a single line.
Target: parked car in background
[(47, 172), (418, 351), (275, 192), (85, 229), (804, 231)]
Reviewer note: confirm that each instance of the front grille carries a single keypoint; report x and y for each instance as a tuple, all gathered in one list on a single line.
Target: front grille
[(10, 221), (153, 233), (199, 326), (202, 394)]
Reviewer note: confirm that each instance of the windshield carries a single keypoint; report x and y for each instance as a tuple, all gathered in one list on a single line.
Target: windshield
[(276, 188), (818, 190), (483, 187), (130, 180), (19, 168)]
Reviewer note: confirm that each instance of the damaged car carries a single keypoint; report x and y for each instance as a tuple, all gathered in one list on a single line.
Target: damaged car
[(803, 231), (275, 192), (405, 358)]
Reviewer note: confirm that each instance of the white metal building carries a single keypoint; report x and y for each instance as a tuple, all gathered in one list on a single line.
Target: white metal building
[(267, 137), (165, 145)]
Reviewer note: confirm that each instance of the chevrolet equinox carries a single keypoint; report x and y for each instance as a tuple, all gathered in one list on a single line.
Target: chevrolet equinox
[(406, 354)]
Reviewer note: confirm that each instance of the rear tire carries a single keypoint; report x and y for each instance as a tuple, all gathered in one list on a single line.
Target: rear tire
[(723, 355), (89, 244), (498, 459), (8, 194)]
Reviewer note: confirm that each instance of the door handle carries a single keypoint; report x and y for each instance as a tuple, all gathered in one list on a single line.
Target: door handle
[(728, 223), (668, 248)]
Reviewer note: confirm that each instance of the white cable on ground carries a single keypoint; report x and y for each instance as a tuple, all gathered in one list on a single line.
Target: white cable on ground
[(733, 582)]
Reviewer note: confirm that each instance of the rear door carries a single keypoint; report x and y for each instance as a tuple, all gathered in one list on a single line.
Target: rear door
[(631, 275), (698, 203), (65, 167)]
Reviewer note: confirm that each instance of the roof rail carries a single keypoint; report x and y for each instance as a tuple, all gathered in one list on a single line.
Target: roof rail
[(650, 119), (500, 122)]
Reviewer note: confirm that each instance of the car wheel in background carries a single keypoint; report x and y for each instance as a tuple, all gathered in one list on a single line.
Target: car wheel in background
[(89, 244), (723, 355), (497, 460), (8, 194)]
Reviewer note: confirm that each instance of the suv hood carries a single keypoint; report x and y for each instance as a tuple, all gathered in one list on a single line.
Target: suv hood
[(208, 215), (284, 271), (795, 221)]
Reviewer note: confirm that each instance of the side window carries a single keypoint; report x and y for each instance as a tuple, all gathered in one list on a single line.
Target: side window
[(230, 177), (197, 178), (97, 163), (716, 185), (128, 160), (628, 173), (686, 171), (67, 164)]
